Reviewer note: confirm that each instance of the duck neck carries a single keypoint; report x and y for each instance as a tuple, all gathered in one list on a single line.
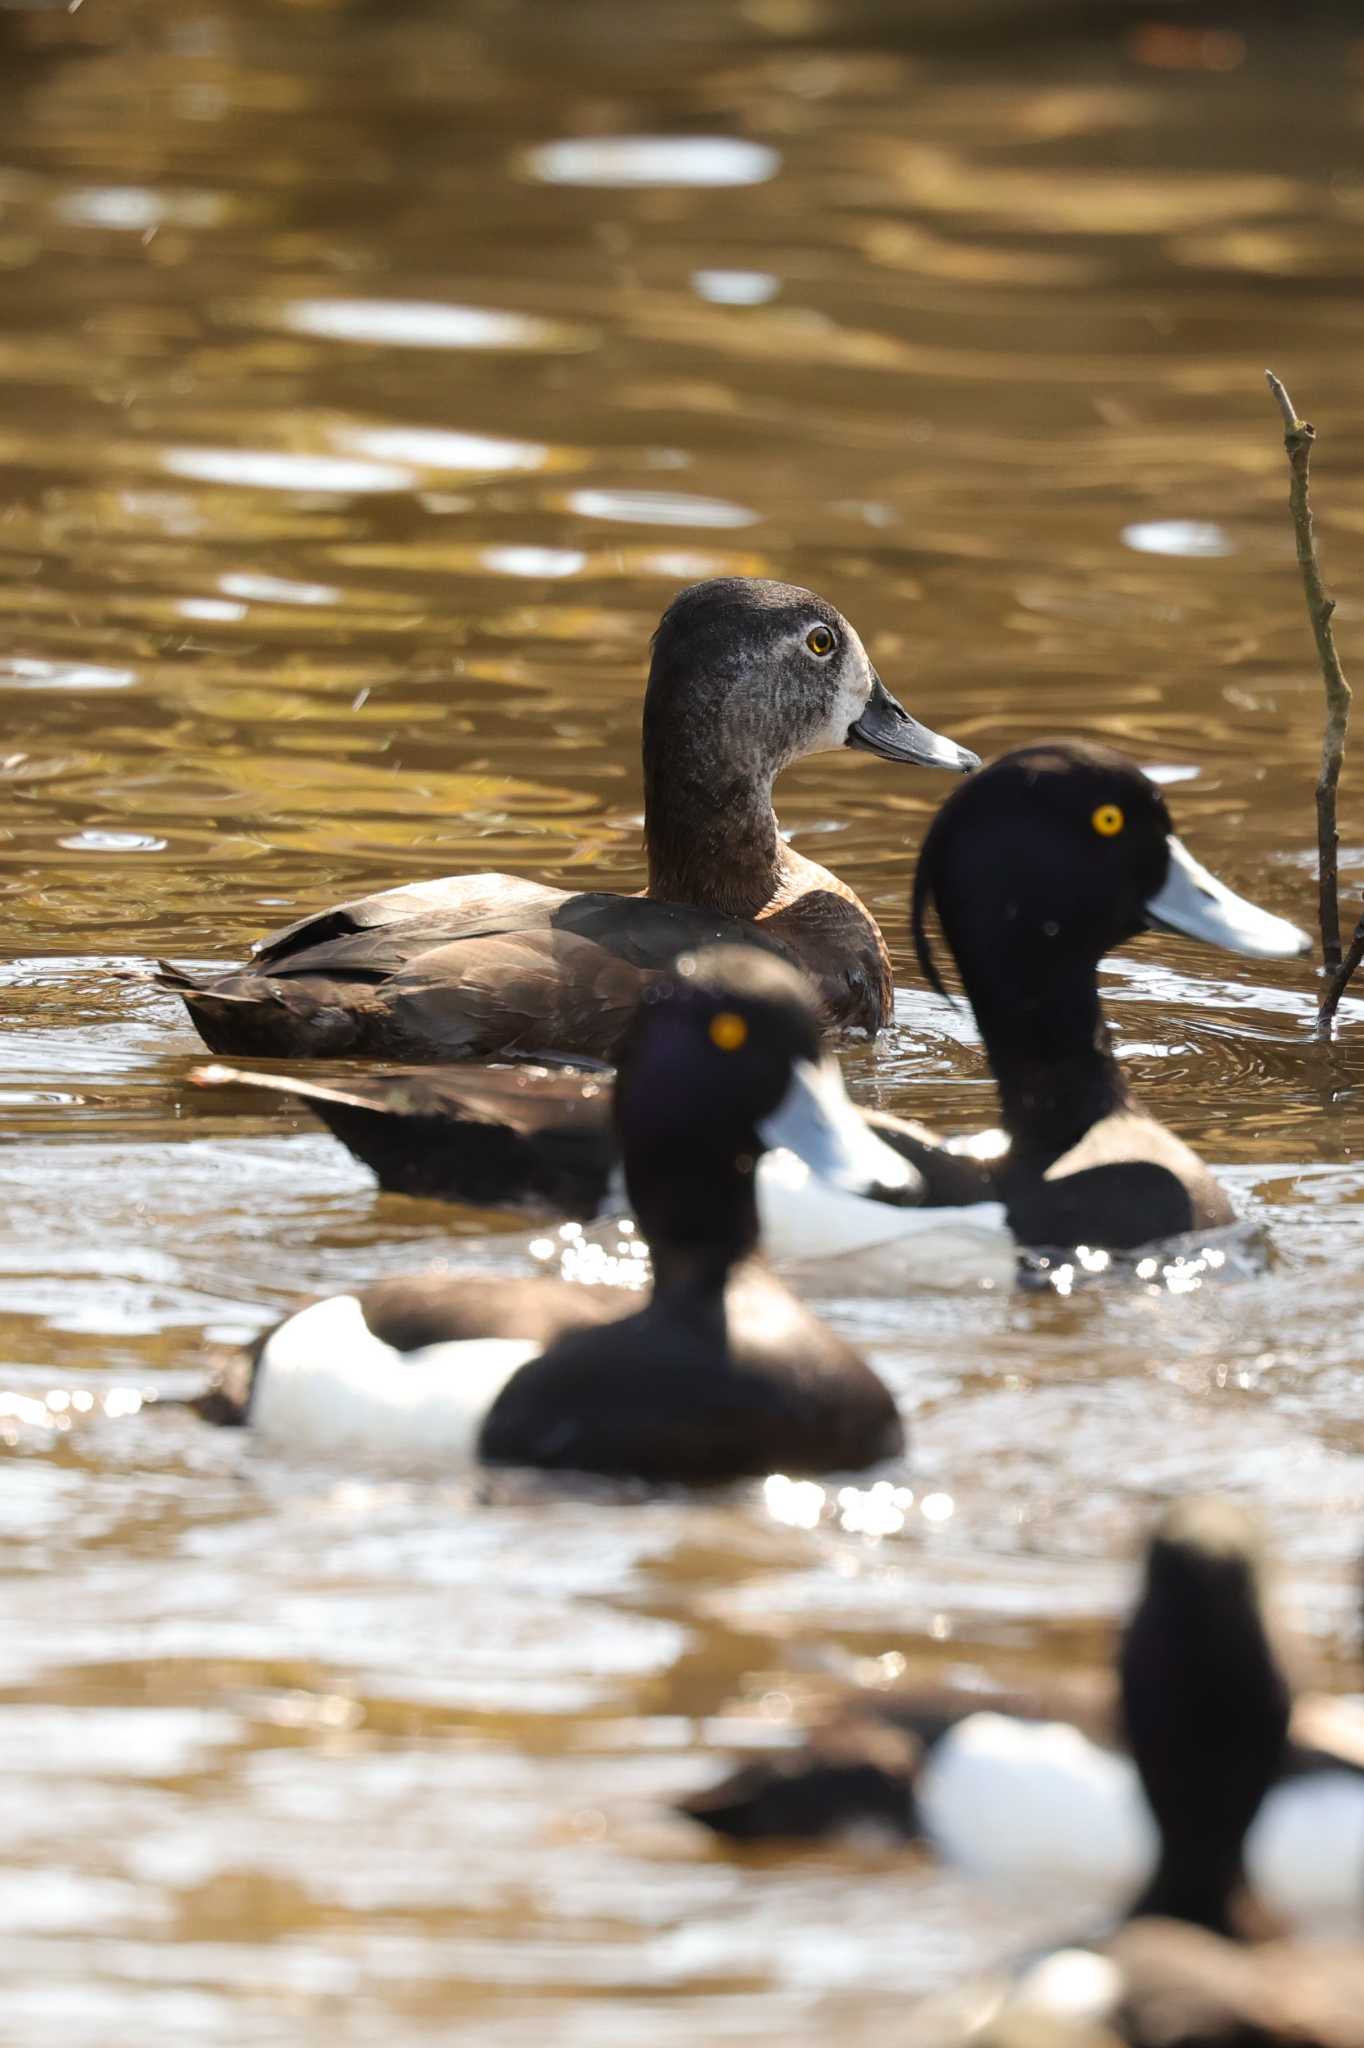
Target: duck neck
[(1194, 1884), (700, 1218), (1049, 1051), (710, 834)]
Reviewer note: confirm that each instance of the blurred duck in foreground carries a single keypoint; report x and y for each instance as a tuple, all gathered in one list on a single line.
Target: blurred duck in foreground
[(721, 1372), (1230, 1805), (1207, 1710), (1159, 1984), (746, 677), (1038, 866)]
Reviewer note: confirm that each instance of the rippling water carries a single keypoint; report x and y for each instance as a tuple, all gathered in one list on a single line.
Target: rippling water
[(369, 378)]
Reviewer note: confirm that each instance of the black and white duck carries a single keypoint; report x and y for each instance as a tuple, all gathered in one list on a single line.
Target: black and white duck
[(720, 1372)]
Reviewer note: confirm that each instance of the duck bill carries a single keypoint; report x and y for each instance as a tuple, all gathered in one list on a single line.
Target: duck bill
[(1194, 902), (816, 1121), (886, 728)]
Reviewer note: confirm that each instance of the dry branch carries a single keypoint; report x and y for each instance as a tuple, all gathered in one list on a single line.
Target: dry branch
[(1298, 439)]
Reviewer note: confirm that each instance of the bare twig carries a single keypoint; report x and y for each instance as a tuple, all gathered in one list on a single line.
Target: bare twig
[(1299, 436), (1336, 982)]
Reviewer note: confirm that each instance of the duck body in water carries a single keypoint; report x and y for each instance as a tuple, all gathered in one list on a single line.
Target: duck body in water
[(1037, 866), (1198, 1964), (746, 677), (1069, 852), (720, 1372), (1189, 1781)]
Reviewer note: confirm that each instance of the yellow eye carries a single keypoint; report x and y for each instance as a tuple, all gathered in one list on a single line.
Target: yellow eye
[(820, 640), (728, 1031), (1108, 821)]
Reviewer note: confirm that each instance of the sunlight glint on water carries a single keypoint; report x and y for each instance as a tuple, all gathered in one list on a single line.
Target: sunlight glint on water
[(369, 379)]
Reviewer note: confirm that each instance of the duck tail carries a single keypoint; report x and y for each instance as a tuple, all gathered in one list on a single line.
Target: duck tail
[(225, 1398), (178, 981), (244, 1011), (175, 980)]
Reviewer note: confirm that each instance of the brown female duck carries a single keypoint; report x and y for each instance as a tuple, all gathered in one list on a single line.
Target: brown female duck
[(746, 677)]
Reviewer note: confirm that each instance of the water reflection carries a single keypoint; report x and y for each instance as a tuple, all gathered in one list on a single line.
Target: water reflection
[(736, 287), (432, 448), (262, 470), (410, 325), (1195, 537), (659, 508), (653, 160), (53, 675)]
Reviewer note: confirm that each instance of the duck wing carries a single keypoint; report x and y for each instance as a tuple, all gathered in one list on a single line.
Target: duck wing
[(425, 912), (863, 1761), (494, 1137), (952, 1180), (454, 970)]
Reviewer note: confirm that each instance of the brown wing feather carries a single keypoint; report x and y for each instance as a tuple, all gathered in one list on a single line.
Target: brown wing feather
[(523, 1137), (455, 970), (434, 906)]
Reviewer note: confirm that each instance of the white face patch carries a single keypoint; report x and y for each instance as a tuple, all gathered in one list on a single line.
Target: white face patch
[(853, 669), (327, 1387)]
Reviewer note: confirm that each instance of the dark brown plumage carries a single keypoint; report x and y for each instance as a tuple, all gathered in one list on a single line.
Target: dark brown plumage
[(478, 964)]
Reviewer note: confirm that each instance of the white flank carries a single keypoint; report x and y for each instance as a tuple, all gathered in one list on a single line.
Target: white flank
[(804, 1218), (1003, 1798), (327, 1386), (1073, 1984), (1006, 1798), (1305, 1853)]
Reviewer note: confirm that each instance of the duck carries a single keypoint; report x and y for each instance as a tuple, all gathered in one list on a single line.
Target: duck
[(1197, 1962), (1040, 864), (719, 1373), (1191, 1781), (1159, 1983), (541, 1141), (746, 677), (1069, 852)]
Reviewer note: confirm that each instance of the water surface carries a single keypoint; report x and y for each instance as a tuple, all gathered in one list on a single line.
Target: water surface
[(369, 379)]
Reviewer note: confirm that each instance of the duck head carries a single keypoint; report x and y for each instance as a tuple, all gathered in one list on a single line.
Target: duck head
[(753, 675), (722, 1061), (710, 1056), (1056, 853)]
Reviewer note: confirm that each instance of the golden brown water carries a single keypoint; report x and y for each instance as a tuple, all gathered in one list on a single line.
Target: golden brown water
[(355, 431)]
